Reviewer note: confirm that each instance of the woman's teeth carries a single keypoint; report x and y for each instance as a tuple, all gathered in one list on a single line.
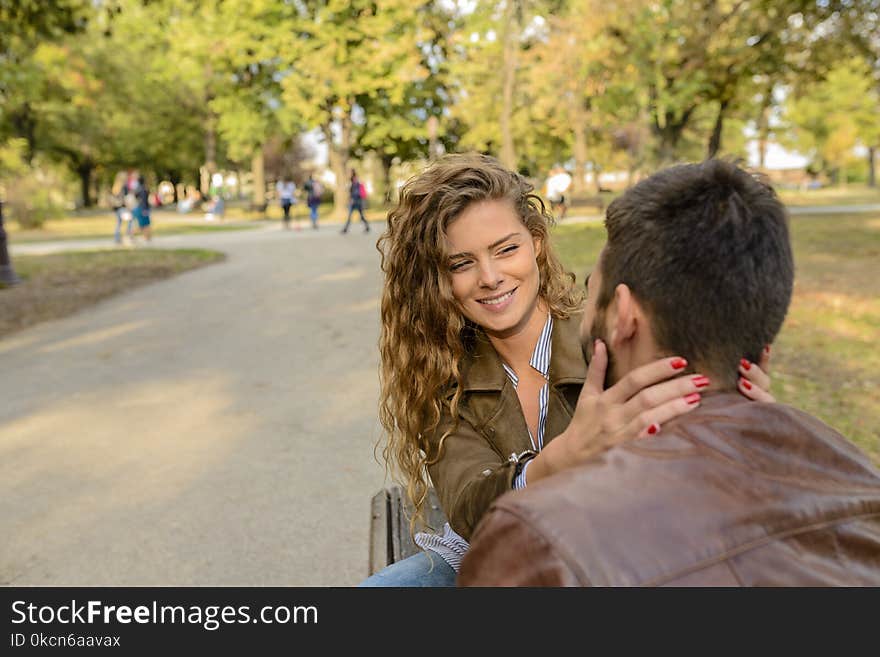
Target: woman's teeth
[(497, 300)]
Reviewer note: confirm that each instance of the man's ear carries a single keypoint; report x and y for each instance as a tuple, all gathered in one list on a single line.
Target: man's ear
[(623, 312)]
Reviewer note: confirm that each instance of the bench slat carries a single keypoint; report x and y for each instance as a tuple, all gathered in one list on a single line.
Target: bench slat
[(390, 539)]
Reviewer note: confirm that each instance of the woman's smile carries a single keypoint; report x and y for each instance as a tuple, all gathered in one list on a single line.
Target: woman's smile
[(500, 302)]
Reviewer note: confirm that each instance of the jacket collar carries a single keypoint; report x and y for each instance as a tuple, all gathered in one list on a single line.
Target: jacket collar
[(485, 373)]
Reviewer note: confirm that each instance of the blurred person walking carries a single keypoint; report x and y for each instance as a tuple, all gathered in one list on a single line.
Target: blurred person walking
[(356, 195), (313, 199), (120, 193), (286, 189), (142, 211), (557, 185)]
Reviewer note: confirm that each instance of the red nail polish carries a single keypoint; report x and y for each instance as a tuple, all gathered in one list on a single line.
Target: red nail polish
[(746, 384), (678, 363), (692, 398), (654, 428), (700, 381), (746, 365)]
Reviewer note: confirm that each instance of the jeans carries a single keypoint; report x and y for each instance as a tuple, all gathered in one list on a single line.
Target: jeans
[(359, 206), (313, 215), (117, 235), (414, 571)]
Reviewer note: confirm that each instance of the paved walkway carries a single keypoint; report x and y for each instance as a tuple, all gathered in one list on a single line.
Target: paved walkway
[(216, 428)]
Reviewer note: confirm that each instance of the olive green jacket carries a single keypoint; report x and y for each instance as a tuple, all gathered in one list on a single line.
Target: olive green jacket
[(475, 466)]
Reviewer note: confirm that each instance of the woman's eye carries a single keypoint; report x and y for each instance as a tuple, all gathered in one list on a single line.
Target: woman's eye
[(510, 249), (458, 266)]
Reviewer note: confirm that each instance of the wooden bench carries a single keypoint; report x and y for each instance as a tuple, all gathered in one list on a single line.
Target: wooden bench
[(390, 539)]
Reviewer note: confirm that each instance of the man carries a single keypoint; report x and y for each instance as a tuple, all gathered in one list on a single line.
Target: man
[(735, 493)]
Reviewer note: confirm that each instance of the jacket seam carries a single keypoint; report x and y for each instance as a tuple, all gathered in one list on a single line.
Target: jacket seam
[(701, 448), (568, 559), (751, 545)]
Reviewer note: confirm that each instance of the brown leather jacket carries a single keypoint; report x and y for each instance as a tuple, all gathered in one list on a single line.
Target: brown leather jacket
[(475, 465), (736, 493)]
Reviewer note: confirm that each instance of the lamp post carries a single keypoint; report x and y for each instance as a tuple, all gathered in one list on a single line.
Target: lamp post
[(7, 274)]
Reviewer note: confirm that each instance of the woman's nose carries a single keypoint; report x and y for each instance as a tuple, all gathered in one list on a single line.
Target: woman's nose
[(489, 275)]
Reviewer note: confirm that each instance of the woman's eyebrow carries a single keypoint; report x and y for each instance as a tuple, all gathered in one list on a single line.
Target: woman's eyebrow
[(465, 254)]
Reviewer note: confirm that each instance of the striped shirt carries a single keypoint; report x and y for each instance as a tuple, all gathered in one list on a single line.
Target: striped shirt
[(450, 545)]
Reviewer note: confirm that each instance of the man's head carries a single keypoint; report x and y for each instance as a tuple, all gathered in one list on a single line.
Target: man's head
[(697, 264)]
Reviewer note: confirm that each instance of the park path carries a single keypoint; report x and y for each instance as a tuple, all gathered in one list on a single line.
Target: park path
[(216, 428)]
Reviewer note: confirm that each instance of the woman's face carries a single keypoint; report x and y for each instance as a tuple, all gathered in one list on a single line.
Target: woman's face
[(493, 267)]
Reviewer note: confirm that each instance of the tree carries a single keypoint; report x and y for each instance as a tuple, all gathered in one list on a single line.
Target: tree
[(691, 55), (338, 50), (398, 126), (490, 62), (829, 118)]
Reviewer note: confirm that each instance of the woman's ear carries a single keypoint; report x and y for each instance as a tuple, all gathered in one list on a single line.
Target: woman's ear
[(539, 245)]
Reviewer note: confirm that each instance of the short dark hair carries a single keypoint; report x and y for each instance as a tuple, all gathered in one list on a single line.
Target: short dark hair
[(705, 248)]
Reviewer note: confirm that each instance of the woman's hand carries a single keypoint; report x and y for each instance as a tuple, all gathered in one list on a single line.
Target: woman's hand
[(636, 406), (754, 380)]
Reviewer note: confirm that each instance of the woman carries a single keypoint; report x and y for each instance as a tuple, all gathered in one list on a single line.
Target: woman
[(142, 211), (482, 364)]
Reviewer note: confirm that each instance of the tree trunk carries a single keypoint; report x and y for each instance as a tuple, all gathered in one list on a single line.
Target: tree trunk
[(872, 174), (174, 178), (258, 172), (338, 154), (210, 166), (715, 139), (387, 161), (764, 126), (579, 144), (85, 178), (597, 172), (508, 77), (210, 154), (7, 273), (668, 129)]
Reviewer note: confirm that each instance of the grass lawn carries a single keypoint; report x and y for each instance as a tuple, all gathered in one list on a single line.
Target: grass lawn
[(100, 224), (60, 284), (849, 195), (825, 361)]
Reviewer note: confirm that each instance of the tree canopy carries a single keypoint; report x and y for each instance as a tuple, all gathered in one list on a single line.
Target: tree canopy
[(182, 88)]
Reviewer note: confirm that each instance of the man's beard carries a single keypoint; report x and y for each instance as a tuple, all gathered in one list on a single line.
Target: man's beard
[(597, 332)]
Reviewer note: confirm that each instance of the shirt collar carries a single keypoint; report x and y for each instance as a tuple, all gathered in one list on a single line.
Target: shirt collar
[(486, 373)]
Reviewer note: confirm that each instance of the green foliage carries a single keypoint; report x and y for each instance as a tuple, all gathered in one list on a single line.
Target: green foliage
[(829, 118), (33, 194), (173, 87)]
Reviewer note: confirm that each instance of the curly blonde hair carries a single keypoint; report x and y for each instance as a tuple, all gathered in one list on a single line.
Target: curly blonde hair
[(424, 336)]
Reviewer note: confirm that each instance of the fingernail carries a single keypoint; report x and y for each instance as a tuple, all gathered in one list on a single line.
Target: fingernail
[(746, 384), (692, 398), (678, 363), (700, 381), (746, 365), (654, 428)]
